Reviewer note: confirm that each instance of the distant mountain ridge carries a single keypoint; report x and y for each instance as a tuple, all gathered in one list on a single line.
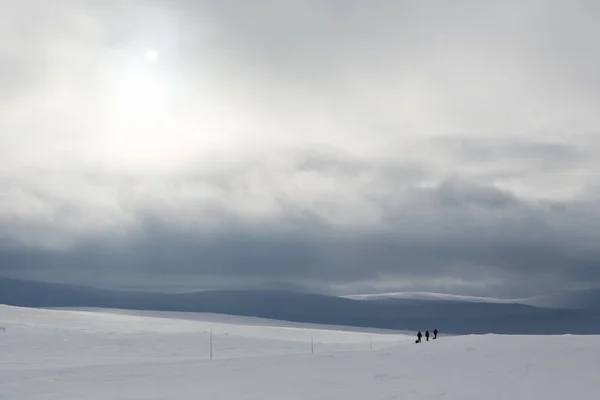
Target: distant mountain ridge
[(429, 296), (587, 299), (461, 315)]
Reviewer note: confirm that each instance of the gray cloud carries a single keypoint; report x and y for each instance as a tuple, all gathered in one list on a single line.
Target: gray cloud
[(455, 233), (328, 146)]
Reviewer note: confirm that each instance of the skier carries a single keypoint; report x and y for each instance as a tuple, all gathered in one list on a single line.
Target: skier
[(427, 335), (419, 336), (435, 332)]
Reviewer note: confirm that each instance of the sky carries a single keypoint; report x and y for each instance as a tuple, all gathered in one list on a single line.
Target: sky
[(329, 146)]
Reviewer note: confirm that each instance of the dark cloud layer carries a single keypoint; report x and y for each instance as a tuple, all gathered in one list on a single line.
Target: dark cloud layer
[(323, 146), (456, 235)]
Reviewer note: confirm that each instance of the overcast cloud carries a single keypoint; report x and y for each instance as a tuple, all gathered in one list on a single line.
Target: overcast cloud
[(332, 146)]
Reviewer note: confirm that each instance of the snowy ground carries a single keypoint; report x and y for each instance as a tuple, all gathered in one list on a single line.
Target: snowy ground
[(51, 354)]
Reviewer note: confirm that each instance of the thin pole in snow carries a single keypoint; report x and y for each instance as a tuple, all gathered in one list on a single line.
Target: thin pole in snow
[(210, 340), (312, 344)]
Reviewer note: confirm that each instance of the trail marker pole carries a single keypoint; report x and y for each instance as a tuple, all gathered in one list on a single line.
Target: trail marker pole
[(312, 344), (210, 341)]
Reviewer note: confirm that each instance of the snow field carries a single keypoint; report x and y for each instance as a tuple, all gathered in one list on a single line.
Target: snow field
[(48, 354), (76, 338)]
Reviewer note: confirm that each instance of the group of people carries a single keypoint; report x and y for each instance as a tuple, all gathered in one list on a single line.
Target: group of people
[(420, 335)]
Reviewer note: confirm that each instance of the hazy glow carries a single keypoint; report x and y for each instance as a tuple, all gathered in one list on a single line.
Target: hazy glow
[(151, 56), (140, 119), (141, 95)]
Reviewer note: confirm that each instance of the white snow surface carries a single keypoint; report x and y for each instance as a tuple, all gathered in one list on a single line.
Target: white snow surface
[(66, 354)]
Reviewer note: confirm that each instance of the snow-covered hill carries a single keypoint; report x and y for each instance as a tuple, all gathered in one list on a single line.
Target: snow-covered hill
[(429, 296), (588, 299), (58, 354)]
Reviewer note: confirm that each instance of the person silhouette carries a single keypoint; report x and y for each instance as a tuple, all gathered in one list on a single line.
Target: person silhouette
[(419, 336), (427, 335), (435, 332)]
